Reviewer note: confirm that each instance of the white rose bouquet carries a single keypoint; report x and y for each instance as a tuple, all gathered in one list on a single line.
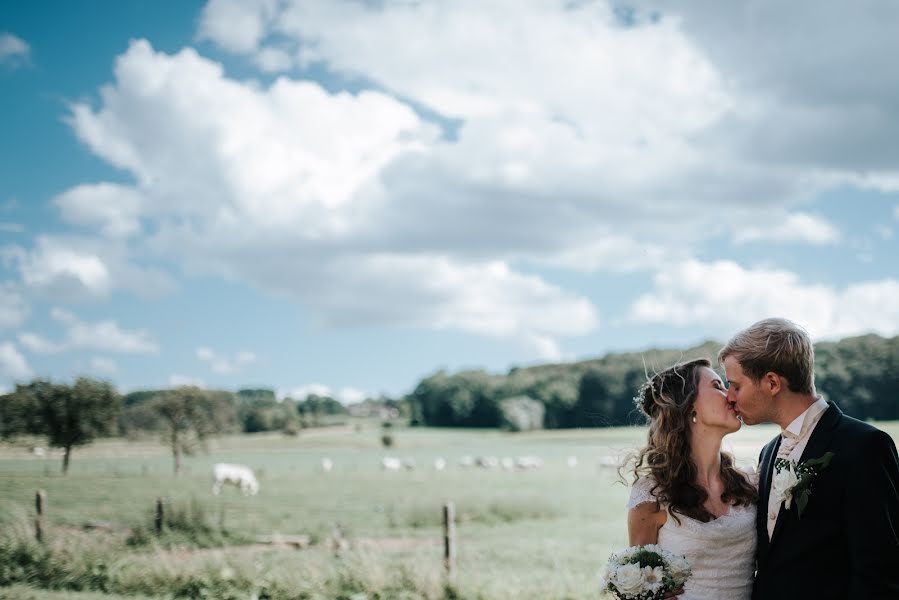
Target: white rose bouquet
[(645, 573)]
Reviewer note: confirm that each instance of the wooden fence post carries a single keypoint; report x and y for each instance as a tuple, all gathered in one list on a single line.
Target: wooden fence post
[(160, 513), (40, 504), (449, 538)]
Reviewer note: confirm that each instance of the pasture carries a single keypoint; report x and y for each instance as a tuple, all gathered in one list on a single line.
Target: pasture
[(541, 533)]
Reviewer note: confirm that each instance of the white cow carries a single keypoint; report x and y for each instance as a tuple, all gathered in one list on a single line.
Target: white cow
[(391, 463), (528, 462), (572, 461), (439, 464), (327, 465), (239, 475)]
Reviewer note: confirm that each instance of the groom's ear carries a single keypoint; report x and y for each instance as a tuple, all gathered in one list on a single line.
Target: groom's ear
[(772, 383)]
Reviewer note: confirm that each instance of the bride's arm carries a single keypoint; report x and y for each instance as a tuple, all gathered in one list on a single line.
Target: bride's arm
[(644, 522)]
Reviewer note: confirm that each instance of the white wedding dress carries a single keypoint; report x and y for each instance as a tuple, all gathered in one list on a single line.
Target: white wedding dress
[(721, 552)]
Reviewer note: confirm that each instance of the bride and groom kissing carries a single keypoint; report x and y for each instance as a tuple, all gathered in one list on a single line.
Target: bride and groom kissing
[(820, 517)]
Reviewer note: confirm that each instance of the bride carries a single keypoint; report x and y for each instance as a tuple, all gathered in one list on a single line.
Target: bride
[(687, 495)]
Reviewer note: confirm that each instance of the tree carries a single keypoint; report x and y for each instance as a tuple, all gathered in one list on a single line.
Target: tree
[(70, 416), (521, 414), (191, 415)]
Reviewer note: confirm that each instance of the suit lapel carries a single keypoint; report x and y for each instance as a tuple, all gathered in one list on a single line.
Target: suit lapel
[(816, 447), (765, 474)]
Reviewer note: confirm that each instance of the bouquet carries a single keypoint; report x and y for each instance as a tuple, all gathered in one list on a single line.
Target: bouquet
[(645, 573)]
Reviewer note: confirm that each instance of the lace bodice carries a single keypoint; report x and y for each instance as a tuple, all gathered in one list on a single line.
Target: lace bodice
[(721, 552)]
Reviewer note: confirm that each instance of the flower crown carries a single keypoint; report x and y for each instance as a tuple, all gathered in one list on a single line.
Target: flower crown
[(649, 384)]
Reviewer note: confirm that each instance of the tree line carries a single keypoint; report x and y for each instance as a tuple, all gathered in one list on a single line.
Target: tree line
[(861, 374), (72, 415)]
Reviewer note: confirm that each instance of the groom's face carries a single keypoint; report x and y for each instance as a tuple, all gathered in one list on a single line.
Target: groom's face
[(745, 394)]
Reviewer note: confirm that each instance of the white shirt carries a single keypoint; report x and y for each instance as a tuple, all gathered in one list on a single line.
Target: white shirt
[(794, 439)]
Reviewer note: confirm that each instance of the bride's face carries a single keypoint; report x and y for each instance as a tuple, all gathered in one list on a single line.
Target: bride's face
[(711, 405)]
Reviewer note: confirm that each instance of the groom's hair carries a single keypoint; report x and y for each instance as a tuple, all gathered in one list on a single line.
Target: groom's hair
[(778, 346)]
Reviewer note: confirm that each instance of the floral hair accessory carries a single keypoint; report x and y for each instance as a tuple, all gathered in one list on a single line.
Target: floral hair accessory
[(641, 392)]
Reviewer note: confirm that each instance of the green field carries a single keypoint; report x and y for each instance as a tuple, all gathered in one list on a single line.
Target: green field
[(521, 534)]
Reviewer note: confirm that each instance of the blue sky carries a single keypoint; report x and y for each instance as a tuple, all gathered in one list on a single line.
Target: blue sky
[(346, 196)]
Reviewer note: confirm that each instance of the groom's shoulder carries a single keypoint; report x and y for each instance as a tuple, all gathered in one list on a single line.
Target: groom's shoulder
[(862, 435)]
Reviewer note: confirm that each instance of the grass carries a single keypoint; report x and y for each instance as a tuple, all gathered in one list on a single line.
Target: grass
[(524, 534)]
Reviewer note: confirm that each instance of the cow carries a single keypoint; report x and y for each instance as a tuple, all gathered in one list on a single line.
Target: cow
[(391, 463), (239, 475)]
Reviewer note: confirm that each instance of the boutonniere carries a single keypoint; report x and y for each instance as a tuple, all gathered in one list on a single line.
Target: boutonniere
[(794, 481)]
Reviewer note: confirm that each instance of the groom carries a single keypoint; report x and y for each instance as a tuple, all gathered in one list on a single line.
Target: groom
[(828, 509)]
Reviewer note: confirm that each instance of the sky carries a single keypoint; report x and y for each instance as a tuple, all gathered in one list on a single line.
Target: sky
[(343, 197)]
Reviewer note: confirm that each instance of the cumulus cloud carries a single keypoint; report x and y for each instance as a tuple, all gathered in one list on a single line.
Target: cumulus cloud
[(112, 207), (428, 197), (14, 51), (792, 228), (720, 297), (13, 365), (297, 180), (236, 25), (84, 269), (224, 365), (350, 395), (58, 270), (104, 336)]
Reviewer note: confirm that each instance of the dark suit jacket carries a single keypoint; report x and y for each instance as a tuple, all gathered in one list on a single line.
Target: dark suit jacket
[(846, 545)]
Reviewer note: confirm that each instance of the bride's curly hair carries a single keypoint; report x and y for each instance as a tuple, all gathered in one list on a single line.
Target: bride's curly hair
[(667, 400)]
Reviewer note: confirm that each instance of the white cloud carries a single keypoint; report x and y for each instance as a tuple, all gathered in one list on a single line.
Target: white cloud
[(720, 297), (350, 395), (112, 207), (236, 25), (176, 380), (224, 365), (104, 366), (14, 51), (896, 212), (796, 227), (273, 60), (595, 146), (56, 269), (104, 336), (885, 233), (300, 392), (39, 344), (297, 176), (73, 269), (13, 365), (13, 307)]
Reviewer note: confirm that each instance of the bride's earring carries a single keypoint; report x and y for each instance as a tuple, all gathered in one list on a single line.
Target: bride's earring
[(694, 417)]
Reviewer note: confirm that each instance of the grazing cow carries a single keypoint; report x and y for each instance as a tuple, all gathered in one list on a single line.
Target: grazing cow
[(466, 461), (391, 463), (439, 464), (487, 462), (409, 464), (39, 451), (327, 465), (529, 462), (239, 475)]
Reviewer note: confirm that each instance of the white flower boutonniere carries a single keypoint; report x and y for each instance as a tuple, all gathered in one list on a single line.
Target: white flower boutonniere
[(794, 482)]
